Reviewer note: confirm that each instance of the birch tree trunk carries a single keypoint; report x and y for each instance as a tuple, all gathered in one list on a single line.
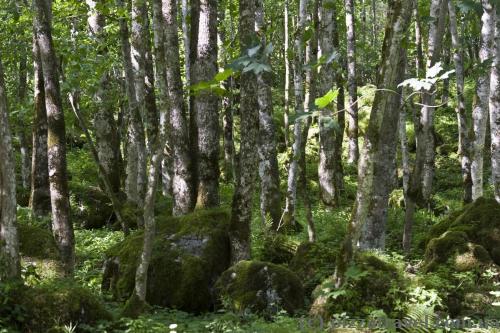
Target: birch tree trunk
[(423, 172), (138, 37), (419, 60), (495, 111), (480, 111), (463, 128), (135, 129), (206, 107), (151, 119), (40, 191), (383, 114), (241, 217), (9, 243), (58, 178), (326, 168), (107, 143), (270, 198), (287, 75), (352, 87), (293, 169), (182, 182)]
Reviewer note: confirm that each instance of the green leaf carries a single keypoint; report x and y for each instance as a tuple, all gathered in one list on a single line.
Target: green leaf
[(253, 51), (224, 75), (323, 102)]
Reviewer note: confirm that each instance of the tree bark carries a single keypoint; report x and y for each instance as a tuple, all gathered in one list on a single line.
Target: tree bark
[(329, 190), (270, 198), (182, 183), (464, 143), (480, 111), (405, 163), (241, 217), (40, 191), (58, 178), (293, 169), (287, 76), (495, 111), (23, 140), (9, 242), (419, 60), (135, 129), (352, 87), (151, 119), (383, 114), (206, 107), (107, 143), (138, 36)]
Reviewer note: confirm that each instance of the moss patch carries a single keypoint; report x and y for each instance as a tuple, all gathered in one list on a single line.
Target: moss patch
[(371, 284), (37, 242), (189, 254), (260, 287)]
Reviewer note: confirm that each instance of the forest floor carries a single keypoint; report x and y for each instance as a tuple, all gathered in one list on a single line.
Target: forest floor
[(330, 224)]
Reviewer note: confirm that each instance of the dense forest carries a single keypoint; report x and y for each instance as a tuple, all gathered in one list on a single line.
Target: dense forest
[(249, 166)]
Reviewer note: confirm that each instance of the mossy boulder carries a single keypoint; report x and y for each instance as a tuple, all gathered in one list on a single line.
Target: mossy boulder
[(453, 248), (475, 229), (50, 306), (189, 254), (313, 263), (36, 241), (371, 283), (91, 208), (260, 287)]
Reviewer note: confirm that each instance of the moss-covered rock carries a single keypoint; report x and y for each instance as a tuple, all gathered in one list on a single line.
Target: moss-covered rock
[(474, 230), (260, 287), (91, 208), (50, 306), (313, 263), (189, 254), (36, 241), (371, 283)]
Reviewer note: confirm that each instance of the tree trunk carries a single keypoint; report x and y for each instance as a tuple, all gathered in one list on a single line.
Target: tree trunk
[(463, 128), (40, 191), (58, 178), (293, 169), (181, 169), (107, 143), (339, 134), (385, 112), (423, 172), (352, 107), (480, 111), (186, 37), (135, 129), (241, 217), (206, 107), (270, 198), (495, 111), (151, 119), (138, 37), (405, 163), (419, 60), (9, 242), (327, 165), (23, 140), (287, 77)]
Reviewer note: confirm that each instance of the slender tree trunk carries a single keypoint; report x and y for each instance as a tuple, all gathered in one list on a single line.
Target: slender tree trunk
[(135, 129), (385, 113), (206, 107), (23, 140), (58, 178), (339, 134), (107, 143), (405, 161), (423, 172), (352, 107), (9, 242), (241, 217), (186, 37), (419, 60), (480, 111), (151, 118), (374, 25), (287, 77), (228, 123), (326, 168), (270, 198), (40, 191), (495, 111), (138, 37), (293, 170), (194, 16), (137, 302), (463, 128), (182, 183)]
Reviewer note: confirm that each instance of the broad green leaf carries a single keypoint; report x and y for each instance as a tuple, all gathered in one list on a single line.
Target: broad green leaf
[(324, 101), (224, 75)]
